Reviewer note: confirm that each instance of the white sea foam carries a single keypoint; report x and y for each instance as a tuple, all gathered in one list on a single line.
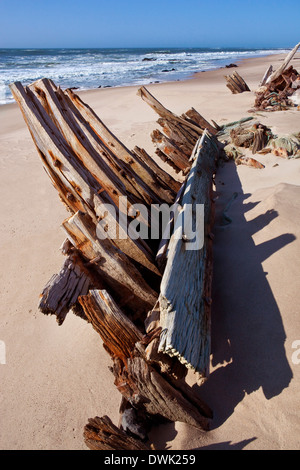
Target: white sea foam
[(91, 68)]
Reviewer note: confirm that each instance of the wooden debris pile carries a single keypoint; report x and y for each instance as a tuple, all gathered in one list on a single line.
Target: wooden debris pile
[(127, 286), (236, 83), (178, 135), (245, 134), (278, 87)]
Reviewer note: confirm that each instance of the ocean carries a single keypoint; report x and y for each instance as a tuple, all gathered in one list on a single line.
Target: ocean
[(93, 68)]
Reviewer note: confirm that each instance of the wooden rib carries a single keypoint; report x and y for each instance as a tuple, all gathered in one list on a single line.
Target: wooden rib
[(171, 151), (196, 118), (184, 300), (102, 434), (143, 172), (75, 183), (163, 112), (114, 268), (140, 384)]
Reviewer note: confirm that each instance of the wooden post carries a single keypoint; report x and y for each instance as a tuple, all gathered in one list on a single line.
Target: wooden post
[(185, 318)]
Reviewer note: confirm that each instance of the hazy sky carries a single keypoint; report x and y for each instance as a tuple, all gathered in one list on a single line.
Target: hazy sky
[(165, 23)]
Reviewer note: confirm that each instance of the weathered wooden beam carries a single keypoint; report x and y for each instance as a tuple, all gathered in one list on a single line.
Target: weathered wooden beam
[(164, 112), (61, 293), (102, 434), (283, 66), (185, 299), (170, 150), (196, 118), (236, 83), (140, 172), (159, 174), (267, 74), (117, 271), (183, 138), (139, 383), (77, 174)]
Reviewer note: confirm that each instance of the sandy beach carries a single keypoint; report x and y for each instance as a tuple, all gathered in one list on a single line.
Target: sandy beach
[(55, 378)]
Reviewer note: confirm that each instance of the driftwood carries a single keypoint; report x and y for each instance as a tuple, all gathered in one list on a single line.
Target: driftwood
[(246, 133), (185, 319), (236, 83), (277, 87), (284, 65), (136, 379), (179, 135), (102, 434), (112, 276)]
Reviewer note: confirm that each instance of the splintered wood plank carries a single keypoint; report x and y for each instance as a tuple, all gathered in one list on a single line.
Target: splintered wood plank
[(140, 171), (61, 293), (113, 266), (102, 434), (164, 112), (170, 150), (163, 179), (185, 298), (70, 173), (116, 330), (140, 384), (283, 66), (196, 118)]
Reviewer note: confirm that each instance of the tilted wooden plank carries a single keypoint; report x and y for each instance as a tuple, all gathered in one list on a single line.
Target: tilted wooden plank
[(284, 65), (171, 151), (164, 112), (185, 289), (61, 293), (196, 118), (140, 384), (114, 268), (77, 186), (144, 175)]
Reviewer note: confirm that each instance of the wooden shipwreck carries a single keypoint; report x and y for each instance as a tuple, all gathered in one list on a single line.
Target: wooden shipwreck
[(153, 321)]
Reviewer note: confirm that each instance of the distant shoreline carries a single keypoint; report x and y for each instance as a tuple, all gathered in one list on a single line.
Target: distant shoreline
[(113, 68)]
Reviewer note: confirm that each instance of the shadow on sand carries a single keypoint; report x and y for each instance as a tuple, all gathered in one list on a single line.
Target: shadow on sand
[(247, 331)]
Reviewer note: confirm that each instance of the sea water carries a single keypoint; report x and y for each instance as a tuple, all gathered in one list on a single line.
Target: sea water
[(93, 68)]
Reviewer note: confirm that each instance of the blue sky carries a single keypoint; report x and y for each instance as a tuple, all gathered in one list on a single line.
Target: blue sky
[(165, 23)]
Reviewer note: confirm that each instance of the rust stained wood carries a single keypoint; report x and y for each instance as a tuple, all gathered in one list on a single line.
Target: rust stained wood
[(98, 157), (77, 186), (164, 112), (113, 266), (170, 150), (102, 434), (57, 155), (236, 83), (118, 333), (139, 383), (62, 291), (283, 66), (142, 171), (159, 175), (185, 299), (196, 118)]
